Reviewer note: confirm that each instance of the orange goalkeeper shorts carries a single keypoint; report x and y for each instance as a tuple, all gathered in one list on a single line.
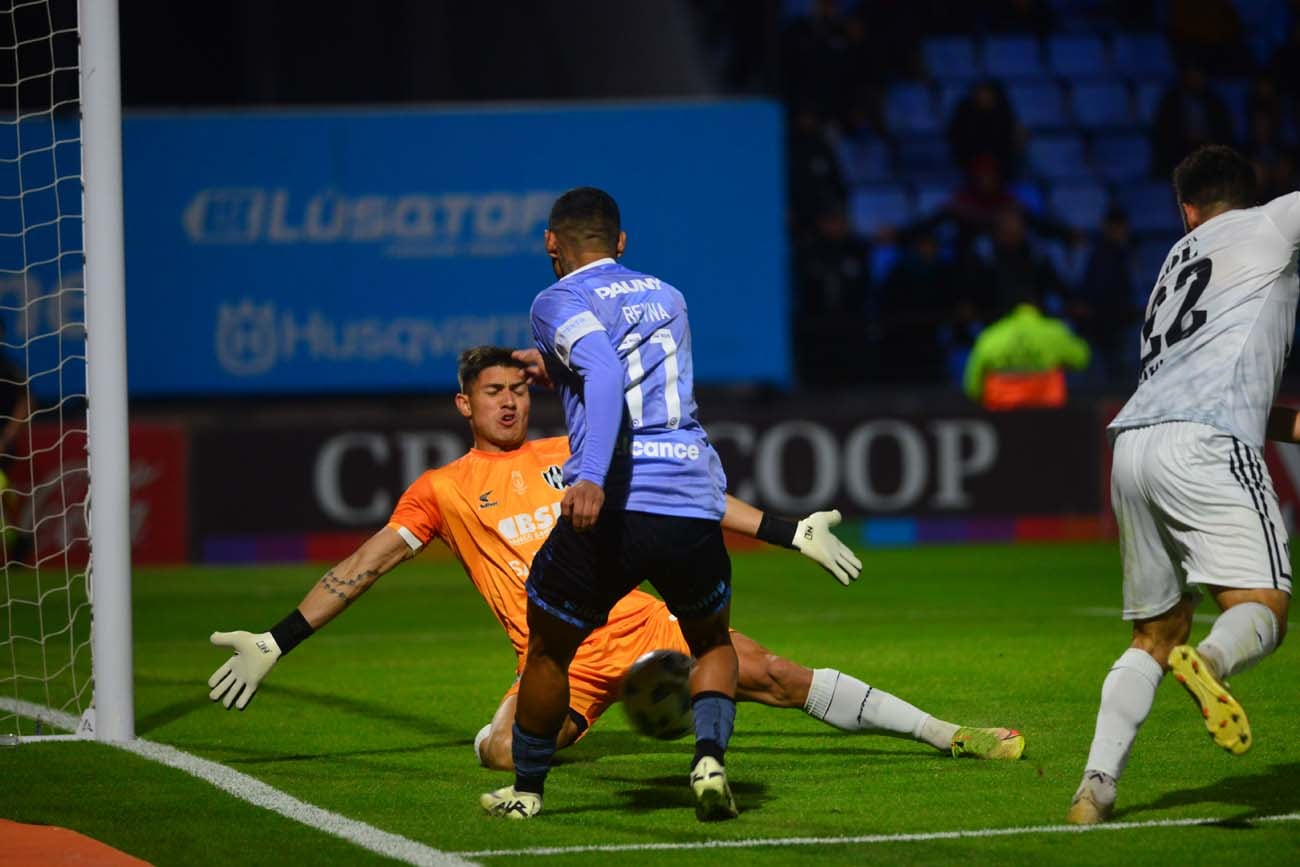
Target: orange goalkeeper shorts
[(598, 667)]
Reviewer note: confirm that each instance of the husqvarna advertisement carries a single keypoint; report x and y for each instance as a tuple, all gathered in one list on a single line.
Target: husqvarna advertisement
[(360, 251)]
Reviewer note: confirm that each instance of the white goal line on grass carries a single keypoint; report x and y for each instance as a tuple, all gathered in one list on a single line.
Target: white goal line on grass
[(869, 839), (259, 794), (408, 851)]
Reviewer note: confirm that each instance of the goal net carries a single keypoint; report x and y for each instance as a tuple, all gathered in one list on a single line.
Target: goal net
[(45, 593)]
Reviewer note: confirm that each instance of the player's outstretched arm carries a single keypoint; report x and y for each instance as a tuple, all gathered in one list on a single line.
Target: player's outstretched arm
[(237, 680), (1284, 424), (811, 536)]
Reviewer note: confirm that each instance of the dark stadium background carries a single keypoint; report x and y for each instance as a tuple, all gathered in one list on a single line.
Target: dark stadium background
[(940, 159)]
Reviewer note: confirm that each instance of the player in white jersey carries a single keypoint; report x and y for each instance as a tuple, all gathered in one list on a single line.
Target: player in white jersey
[(1192, 497)]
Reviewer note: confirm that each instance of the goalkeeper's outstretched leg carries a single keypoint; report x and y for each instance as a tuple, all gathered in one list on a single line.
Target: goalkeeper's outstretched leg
[(827, 695), (848, 704)]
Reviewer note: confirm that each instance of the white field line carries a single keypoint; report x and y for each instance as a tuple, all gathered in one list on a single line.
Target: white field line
[(259, 794), (47, 716), (864, 840)]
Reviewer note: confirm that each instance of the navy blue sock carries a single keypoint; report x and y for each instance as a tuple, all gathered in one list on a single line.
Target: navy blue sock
[(715, 717), (532, 755)]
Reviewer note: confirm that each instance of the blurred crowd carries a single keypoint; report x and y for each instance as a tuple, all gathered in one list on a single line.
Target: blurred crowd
[(913, 228)]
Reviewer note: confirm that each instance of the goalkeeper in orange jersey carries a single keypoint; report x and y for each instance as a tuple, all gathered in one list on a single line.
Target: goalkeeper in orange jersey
[(495, 506)]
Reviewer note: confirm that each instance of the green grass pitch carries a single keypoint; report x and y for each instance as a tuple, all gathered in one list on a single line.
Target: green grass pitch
[(374, 719)]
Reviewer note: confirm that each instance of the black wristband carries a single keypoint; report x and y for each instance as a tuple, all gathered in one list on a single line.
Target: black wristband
[(291, 631), (776, 531)]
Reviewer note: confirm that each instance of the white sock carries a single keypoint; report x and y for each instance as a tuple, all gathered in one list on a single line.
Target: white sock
[(1241, 637), (850, 705), (1127, 694), (478, 743)]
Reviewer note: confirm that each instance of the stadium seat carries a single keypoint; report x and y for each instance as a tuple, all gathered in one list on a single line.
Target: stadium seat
[(1080, 205), (930, 198), (1147, 263), (952, 57), (1265, 26), (1102, 104), (1057, 156), (1030, 195), (951, 93), (1142, 55), (1071, 264), (1236, 93), (925, 159), (1121, 157), (1147, 102), (910, 108), (874, 208), (1077, 57), (1038, 105), (883, 259), (1151, 209), (864, 159), (1013, 57)]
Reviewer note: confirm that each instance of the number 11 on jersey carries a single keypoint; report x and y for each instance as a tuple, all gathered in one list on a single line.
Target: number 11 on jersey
[(636, 373)]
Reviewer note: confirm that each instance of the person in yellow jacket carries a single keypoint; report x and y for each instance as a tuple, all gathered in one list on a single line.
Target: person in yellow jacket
[(1020, 360)]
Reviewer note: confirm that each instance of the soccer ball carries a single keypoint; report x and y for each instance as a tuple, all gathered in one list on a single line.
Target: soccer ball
[(657, 695)]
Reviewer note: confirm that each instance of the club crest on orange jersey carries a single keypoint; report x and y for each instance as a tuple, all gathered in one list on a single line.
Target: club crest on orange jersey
[(517, 484), (554, 476)]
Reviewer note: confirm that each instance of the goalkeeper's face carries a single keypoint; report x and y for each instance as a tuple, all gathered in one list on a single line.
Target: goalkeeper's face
[(497, 404)]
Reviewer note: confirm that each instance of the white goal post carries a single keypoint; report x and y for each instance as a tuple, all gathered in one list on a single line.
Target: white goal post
[(109, 452), (65, 516)]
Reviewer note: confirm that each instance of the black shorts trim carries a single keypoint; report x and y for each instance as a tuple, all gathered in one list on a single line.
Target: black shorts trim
[(1246, 472)]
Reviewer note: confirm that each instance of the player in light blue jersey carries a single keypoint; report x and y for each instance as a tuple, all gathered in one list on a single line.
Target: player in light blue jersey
[(645, 496), (662, 462)]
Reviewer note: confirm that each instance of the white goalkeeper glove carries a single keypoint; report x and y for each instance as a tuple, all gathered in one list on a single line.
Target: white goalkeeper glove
[(238, 678), (814, 539)]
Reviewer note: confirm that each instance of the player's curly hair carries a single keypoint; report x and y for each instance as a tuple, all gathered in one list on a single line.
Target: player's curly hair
[(588, 218), (476, 359), (1216, 174)]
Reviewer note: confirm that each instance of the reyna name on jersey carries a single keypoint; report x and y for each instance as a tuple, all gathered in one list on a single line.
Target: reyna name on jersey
[(650, 311)]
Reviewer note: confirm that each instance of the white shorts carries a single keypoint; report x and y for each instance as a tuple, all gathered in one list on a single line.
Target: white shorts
[(1194, 506)]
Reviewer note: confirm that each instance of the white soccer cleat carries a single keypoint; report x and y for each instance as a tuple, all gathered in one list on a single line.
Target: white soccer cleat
[(713, 801), (1093, 801), (508, 804)]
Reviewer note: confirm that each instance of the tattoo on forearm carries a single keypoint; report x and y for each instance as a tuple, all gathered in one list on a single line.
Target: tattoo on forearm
[(348, 589)]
